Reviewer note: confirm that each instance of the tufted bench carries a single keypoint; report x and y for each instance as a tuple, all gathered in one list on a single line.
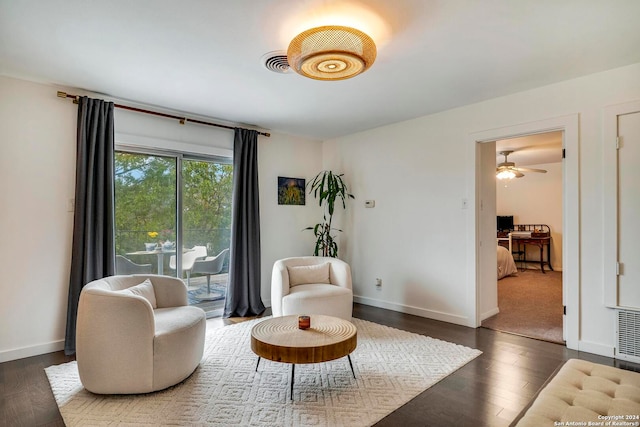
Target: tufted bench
[(583, 392)]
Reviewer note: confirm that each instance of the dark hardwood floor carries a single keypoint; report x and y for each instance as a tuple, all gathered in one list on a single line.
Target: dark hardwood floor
[(489, 391)]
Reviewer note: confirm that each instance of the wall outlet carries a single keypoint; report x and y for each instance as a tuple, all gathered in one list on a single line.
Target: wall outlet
[(378, 283)]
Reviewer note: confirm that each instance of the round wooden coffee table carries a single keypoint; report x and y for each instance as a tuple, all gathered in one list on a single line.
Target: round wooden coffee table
[(279, 339)]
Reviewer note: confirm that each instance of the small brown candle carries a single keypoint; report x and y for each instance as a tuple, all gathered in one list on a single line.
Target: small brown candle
[(304, 322)]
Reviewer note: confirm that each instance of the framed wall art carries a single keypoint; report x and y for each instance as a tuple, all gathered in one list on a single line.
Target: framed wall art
[(291, 191)]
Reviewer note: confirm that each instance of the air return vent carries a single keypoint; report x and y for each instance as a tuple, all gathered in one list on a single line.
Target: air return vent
[(628, 336), (276, 61)]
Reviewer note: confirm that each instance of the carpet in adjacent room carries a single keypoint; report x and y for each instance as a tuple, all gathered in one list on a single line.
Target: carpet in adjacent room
[(530, 304)]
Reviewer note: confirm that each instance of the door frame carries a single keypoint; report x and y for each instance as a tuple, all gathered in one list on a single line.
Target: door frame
[(569, 125)]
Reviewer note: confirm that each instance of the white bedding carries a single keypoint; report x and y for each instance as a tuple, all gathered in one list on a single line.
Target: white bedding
[(506, 264)]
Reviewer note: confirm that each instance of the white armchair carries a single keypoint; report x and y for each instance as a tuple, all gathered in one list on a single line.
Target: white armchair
[(136, 334), (312, 285)]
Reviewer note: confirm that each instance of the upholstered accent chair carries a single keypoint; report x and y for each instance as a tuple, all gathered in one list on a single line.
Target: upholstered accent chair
[(312, 285), (137, 334)]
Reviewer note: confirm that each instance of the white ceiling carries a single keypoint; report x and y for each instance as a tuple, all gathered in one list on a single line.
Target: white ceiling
[(530, 150), (203, 56)]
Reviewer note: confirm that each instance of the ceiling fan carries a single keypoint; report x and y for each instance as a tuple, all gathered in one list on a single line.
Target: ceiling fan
[(508, 170)]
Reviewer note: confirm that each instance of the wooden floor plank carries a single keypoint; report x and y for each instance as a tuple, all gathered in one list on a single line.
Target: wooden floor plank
[(18, 410), (489, 391)]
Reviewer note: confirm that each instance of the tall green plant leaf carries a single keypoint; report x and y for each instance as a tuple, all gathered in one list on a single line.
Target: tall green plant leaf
[(326, 187)]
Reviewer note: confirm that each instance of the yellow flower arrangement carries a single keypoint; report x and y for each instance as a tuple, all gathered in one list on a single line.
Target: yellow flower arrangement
[(152, 234)]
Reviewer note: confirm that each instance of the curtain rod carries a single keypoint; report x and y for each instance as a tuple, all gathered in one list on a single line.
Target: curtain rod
[(183, 120)]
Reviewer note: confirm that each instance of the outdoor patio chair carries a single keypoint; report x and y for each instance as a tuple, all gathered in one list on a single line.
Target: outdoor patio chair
[(210, 265), (125, 266), (188, 259)]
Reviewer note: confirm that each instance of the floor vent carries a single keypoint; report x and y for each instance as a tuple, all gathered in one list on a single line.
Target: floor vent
[(628, 336)]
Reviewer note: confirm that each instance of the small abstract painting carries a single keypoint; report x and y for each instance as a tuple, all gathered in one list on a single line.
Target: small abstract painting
[(291, 191)]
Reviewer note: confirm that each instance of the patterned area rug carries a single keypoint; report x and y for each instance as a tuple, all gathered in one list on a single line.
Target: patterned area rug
[(391, 367)]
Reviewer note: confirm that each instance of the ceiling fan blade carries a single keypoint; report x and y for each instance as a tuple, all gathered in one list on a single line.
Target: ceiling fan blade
[(518, 174), (531, 170)]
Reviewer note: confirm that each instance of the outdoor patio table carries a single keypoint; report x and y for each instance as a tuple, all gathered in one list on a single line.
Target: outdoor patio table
[(160, 253)]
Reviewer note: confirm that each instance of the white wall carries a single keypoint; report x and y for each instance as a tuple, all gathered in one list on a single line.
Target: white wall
[(37, 178), (281, 225), (535, 198), (414, 238), (37, 164)]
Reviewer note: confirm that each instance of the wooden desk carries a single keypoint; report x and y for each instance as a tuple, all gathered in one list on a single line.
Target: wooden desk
[(540, 242), (541, 237)]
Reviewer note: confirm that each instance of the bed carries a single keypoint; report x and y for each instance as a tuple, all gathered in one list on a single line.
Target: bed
[(506, 264)]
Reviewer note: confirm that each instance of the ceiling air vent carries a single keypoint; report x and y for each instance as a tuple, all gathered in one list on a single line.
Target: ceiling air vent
[(276, 61)]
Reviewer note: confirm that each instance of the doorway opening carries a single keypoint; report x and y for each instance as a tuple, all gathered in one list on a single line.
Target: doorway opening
[(529, 234), (482, 166)]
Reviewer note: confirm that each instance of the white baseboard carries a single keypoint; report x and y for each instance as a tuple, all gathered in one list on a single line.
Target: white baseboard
[(595, 348), (489, 313), (430, 314), (36, 350)]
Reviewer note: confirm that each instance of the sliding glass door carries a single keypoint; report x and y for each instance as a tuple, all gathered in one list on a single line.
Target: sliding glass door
[(145, 212), (173, 217), (206, 228)]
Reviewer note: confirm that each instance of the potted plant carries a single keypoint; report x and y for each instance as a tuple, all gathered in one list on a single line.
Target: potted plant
[(327, 187)]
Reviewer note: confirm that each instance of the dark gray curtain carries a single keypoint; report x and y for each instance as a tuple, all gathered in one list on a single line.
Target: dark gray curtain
[(243, 291), (93, 250)]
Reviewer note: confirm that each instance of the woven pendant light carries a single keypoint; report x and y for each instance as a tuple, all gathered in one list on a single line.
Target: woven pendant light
[(331, 53)]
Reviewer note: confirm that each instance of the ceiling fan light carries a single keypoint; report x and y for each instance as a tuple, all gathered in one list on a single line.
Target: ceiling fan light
[(331, 52), (506, 174)]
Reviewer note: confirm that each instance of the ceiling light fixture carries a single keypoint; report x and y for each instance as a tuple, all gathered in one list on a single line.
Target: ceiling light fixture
[(331, 52), (508, 170), (506, 174)]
